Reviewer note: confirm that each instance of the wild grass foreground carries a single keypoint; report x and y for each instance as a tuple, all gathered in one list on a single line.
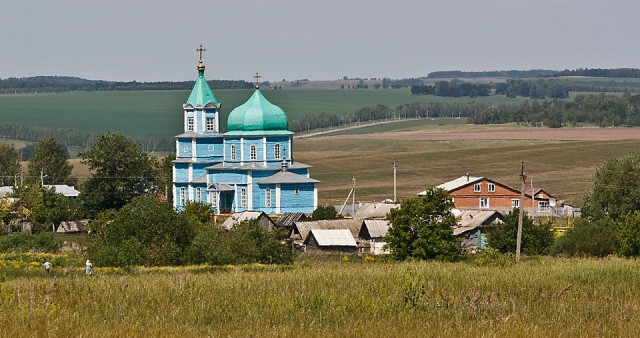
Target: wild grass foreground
[(538, 297)]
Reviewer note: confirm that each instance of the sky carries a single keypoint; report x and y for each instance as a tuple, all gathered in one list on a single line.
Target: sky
[(156, 40)]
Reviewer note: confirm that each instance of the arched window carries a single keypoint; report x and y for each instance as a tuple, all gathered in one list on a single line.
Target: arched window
[(276, 151), (233, 152), (253, 153)]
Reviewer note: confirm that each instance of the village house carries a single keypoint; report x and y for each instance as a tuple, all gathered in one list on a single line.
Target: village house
[(301, 230), (330, 240), (473, 225), (371, 235), (263, 219)]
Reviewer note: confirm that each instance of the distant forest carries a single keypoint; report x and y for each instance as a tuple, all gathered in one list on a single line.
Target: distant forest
[(55, 84), (539, 89), (518, 74), (598, 72)]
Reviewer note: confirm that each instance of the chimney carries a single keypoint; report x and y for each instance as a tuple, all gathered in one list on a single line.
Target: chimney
[(467, 177)]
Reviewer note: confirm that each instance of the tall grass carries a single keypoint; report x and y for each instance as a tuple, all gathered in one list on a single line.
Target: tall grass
[(537, 297)]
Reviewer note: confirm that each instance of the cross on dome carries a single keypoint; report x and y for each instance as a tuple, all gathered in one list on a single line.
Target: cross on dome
[(257, 77), (200, 50)]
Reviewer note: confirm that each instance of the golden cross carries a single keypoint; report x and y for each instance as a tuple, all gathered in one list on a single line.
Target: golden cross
[(257, 77), (200, 50)]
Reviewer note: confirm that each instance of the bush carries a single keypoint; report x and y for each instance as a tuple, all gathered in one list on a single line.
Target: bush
[(588, 238), (536, 239), (493, 257), (22, 242), (628, 235)]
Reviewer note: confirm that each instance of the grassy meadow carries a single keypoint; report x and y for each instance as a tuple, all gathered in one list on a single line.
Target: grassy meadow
[(538, 297), (143, 114)]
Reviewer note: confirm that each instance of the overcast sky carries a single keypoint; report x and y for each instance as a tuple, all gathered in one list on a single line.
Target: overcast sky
[(155, 40)]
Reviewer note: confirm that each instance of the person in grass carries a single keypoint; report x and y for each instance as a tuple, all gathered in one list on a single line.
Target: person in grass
[(89, 269), (47, 266)]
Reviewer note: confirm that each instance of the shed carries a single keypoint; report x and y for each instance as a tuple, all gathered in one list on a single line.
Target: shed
[(330, 240), (288, 219), (263, 219), (68, 227), (371, 234), (473, 225)]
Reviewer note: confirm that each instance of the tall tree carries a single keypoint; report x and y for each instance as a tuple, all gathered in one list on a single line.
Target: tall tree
[(121, 171), (50, 159), (9, 164), (536, 239), (422, 228), (164, 179)]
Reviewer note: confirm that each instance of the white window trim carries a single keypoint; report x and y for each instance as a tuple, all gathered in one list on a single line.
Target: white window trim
[(198, 194), (515, 203), (276, 151), (267, 197), (190, 123), (210, 124), (477, 187), (253, 152), (183, 197), (491, 187), (243, 197), (233, 152), (480, 203)]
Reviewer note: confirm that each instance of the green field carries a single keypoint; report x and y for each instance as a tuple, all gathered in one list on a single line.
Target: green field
[(353, 297), (159, 113)]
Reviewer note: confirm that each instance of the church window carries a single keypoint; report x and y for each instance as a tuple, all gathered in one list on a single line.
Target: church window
[(254, 155), (267, 197), (190, 123), (182, 196), (214, 199), (276, 150), (243, 197), (233, 152), (209, 124), (198, 194)]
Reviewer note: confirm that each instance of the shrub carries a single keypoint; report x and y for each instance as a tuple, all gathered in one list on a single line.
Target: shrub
[(536, 239), (588, 238), (628, 235), (22, 242)]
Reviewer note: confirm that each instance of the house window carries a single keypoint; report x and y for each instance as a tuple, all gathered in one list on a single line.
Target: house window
[(484, 202), (267, 197), (209, 124), (515, 203), (198, 194), (491, 187), (543, 204), (276, 151), (297, 191), (183, 196), (253, 152), (233, 152), (243, 197), (476, 187), (190, 123)]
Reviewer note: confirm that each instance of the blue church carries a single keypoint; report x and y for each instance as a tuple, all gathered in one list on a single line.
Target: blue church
[(249, 167)]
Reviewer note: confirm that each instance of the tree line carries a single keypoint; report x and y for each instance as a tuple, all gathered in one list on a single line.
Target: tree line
[(515, 74), (55, 84), (603, 110), (601, 72)]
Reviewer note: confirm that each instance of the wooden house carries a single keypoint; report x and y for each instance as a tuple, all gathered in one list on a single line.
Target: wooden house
[(300, 231), (371, 235), (473, 226), (69, 227), (330, 240)]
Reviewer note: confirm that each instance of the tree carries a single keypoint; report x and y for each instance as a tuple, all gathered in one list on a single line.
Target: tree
[(422, 228), (198, 212), (9, 164), (325, 212), (629, 235), (588, 238), (50, 158), (164, 178), (145, 231), (121, 172), (616, 189), (536, 239)]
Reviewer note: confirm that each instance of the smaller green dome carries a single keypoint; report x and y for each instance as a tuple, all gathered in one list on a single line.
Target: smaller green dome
[(257, 114), (201, 94)]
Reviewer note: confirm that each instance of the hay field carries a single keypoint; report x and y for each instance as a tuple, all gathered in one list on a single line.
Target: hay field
[(539, 297)]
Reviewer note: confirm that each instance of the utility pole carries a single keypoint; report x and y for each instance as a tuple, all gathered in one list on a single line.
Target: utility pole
[(395, 170), (353, 197), (533, 204), (42, 177), (521, 214)]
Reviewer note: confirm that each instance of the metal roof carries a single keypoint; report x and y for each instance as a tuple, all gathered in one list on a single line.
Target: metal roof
[(455, 184), (375, 210), (201, 94), (200, 179), (67, 191), (353, 225), (334, 237), (192, 134), (289, 218), (256, 166), (287, 177), (219, 187), (376, 227), (257, 114)]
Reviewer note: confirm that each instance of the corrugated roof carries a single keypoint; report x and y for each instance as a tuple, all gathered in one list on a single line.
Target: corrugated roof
[(375, 210), (334, 237), (376, 227), (352, 225), (67, 191), (289, 218), (472, 219), (219, 187), (240, 217), (287, 177), (455, 184)]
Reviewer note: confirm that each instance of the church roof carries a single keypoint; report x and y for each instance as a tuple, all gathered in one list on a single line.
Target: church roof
[(254, 166), (201, 94), (256, 115), (287, 177)]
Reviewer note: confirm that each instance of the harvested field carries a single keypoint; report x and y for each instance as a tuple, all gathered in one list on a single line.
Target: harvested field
[(561, 134)]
